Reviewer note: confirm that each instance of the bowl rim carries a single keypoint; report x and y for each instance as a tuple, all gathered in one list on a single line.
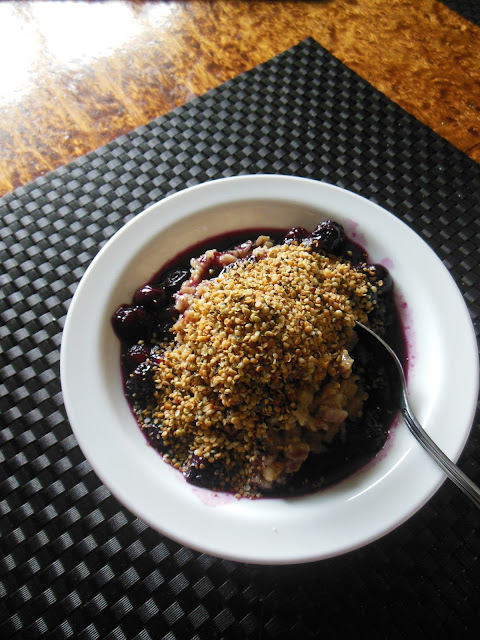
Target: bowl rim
[(198, 199)]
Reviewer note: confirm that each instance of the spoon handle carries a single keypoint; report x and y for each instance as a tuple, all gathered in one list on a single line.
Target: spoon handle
[(469, 488)]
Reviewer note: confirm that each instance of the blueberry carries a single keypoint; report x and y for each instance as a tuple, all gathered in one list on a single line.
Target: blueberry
[(157, 354), (132, 323), (163, 321), (154, 436), (170, 314), (383, 274), (174, 279), (328, 237), (208, 477), (140, 385), (296, 234), (383, 315), (162, 330), (354, 254), (150, 297), (135, 355)]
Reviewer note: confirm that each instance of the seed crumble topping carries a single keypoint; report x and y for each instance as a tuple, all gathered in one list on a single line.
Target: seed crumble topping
[(258, 372)]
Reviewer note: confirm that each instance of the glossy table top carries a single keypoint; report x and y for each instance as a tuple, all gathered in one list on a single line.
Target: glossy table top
[(75, 75)]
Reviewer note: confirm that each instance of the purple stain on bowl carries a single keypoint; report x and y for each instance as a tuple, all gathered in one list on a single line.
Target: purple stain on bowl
[(351, 229), (211, 498), (409, 337), (387, 263), (207, 497)]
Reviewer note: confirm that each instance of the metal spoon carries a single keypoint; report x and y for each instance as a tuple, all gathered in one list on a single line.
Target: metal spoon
[(452, 471)]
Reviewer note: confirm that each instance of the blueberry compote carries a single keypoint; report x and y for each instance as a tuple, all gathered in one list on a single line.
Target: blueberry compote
[(146, 321)]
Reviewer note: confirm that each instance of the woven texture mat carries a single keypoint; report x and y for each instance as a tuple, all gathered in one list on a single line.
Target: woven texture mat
[(469, 9), (75, 563)]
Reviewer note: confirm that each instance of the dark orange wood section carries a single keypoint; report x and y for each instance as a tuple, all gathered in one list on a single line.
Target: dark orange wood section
[(74, 75)]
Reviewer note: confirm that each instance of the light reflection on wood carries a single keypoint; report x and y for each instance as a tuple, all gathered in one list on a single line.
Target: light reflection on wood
[(76, 74)]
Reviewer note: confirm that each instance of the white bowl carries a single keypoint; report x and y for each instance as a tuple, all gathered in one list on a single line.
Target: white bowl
[(443, 377)]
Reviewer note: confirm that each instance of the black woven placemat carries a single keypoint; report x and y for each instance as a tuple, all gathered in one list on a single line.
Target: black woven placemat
[(469, 9), (75, 563)]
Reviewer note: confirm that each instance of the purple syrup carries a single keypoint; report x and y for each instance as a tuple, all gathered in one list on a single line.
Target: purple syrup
[(220, 242), (152, 313)]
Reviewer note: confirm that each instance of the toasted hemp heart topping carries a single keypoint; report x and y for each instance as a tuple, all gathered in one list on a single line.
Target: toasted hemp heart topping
[(252, 340)]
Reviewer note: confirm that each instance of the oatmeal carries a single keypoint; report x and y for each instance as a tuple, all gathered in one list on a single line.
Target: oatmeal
[(251, 374)]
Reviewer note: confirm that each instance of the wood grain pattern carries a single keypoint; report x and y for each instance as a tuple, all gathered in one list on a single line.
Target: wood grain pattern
[(76, 74)]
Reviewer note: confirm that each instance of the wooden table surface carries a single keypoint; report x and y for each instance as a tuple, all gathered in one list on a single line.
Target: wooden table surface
[(75, 75)]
